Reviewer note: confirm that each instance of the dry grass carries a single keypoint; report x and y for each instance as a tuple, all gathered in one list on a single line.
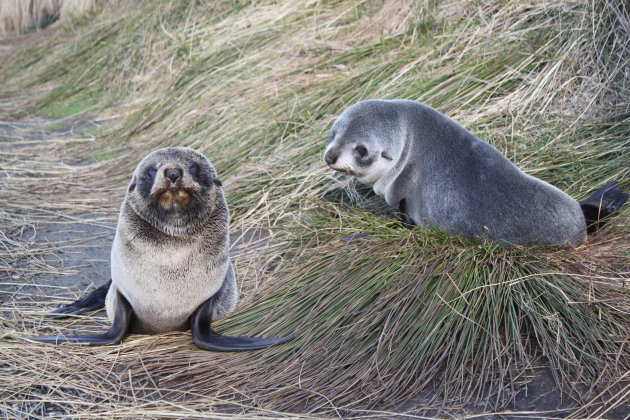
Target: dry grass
[(256, 87), (20, 16)]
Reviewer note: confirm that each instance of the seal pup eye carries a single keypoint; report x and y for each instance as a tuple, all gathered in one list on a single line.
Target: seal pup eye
[(194, 169), (217, 182), (361, 151), (151, 172), (386, 155)]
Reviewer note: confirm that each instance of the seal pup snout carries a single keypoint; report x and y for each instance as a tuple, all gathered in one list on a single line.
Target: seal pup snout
[(330, 157), (336, 159), (357, 156), (173, 188), (173, 196)]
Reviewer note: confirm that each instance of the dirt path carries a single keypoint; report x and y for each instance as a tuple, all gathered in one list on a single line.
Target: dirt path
[(50, 247)]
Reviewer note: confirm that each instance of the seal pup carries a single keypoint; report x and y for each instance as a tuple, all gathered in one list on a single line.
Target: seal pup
[(437, 173), (170, 266)]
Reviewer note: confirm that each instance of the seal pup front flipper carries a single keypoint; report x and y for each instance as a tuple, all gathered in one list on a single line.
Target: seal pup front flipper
[(118, 331), (90, 302), (207, 339), (603, 202), (403, 215)]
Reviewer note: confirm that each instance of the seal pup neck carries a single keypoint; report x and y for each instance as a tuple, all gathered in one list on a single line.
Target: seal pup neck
[(177, 228)]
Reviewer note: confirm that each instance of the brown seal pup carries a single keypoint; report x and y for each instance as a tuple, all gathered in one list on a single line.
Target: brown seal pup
[(169, 262), (437, 173)]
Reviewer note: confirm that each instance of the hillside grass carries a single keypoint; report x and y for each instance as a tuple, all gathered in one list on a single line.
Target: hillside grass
[(256, 85)]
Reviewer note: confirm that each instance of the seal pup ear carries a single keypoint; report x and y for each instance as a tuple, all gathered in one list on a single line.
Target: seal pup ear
[(385, 154)]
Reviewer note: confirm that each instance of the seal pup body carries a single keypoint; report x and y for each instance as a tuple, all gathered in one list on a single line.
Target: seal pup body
[(169, 257), (438, 173), (169, 260)]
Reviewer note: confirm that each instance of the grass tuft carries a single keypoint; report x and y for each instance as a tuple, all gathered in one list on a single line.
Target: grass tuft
[(410, 311)]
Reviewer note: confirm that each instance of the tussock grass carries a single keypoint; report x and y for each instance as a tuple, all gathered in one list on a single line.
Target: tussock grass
[(19, 16), (466, 323), (256, 86)]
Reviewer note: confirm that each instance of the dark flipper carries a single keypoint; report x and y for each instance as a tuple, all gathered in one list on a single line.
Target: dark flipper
[(601, 204), (90, 302), (356, 236), (206, 338), (120, 328), (403, 216)]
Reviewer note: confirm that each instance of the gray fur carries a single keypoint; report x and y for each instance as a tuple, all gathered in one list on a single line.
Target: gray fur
[(168, 258), (448, 177)]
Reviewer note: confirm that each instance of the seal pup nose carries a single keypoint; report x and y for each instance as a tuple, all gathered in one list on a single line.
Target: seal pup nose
[(173, 174), (330, 157)]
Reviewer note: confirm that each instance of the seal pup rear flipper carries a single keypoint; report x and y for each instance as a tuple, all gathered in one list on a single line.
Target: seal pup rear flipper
[(601, 204), (118, 331), (90, 302), (207, 339)]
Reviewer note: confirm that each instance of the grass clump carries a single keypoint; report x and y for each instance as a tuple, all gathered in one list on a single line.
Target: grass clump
[(412, 311), (17, 17), (70, 107)]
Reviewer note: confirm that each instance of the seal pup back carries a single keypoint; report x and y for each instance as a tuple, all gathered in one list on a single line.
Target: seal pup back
[(437, 173), (169, 262)]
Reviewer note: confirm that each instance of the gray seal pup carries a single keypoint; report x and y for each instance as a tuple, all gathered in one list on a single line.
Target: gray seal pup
[(437, 173), (170, 266)]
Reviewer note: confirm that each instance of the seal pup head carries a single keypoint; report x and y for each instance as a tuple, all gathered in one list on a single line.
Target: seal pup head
[(365, 141), (175, 190)]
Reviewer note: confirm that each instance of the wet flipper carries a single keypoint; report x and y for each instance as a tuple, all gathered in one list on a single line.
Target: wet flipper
[(207, 339), (90, 302), (601, 204), (118, 331)]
